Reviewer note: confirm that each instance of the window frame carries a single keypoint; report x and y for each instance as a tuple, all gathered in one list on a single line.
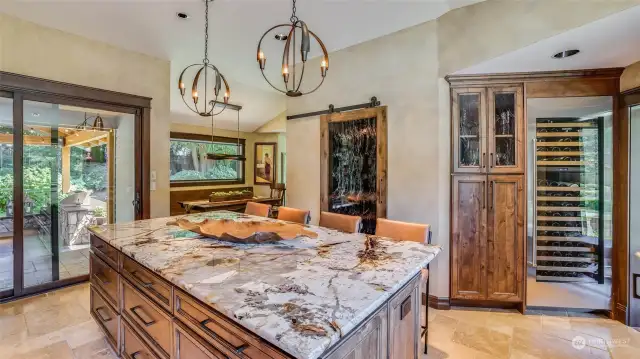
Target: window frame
[(207, 138)]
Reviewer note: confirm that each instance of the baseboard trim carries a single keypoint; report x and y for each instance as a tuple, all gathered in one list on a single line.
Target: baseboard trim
[(441, 303), (477, 303)]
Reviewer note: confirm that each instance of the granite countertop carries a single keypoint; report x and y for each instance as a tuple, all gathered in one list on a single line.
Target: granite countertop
[(275, 290)]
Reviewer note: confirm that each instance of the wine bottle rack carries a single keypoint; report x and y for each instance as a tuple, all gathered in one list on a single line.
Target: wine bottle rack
[(569, 198)]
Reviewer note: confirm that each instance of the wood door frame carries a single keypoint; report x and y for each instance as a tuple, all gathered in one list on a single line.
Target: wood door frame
[(380, 113), (21, 88), (621, 136)]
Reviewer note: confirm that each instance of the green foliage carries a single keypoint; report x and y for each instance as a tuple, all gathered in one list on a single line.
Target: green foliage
[(187, 176), (94, 176), (221, 172), (99, 212)]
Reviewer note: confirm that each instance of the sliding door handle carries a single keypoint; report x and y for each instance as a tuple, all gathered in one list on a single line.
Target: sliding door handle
[(484, 195)]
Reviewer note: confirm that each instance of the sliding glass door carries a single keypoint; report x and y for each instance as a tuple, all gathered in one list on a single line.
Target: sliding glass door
[(63, 168), (7, 242)]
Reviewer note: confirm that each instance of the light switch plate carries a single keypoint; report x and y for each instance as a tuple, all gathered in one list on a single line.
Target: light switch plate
[(153, 186), (153, 175)]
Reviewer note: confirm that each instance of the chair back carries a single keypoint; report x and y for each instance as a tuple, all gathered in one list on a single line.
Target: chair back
[(258, 209), (341, 222), (403, 231), (277, 191), (293, 215)]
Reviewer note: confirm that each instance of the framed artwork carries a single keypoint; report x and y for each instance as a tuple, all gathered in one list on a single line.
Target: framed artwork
[(264, 165)]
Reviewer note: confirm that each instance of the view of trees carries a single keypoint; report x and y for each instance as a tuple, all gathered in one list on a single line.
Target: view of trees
[(188, 161), (88, 171)]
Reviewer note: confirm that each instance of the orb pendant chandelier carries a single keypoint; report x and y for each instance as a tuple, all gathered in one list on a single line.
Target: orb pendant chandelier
[(206, 107), (291, 83)]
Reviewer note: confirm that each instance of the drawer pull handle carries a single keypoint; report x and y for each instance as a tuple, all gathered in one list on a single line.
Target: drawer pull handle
[(144, 284), (102, 279), (135, 309), (405, 308), (239, 349), (137, 354), (103, 317)]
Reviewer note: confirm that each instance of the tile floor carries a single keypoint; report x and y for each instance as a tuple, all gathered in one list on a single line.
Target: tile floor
[(57, 325), (74, 261)]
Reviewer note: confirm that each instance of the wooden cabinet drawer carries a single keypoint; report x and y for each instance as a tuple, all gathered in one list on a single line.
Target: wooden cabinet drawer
[(147, 282), (106, 317), (133, 346), (150, 319), (105, 251), (189, 346), (219, 332), (404, 322), (105, 277)]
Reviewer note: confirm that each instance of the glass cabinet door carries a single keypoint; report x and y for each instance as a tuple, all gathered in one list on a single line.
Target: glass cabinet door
[(506, 130), (469, 153)]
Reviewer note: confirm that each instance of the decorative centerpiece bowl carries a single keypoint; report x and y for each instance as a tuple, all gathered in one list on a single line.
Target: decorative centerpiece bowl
[(246, 231)]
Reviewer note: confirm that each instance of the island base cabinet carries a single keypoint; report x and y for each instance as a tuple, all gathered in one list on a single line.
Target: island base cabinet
[(106, 317), (393, 331), (133, 346), (188, 346), (368, 342), (404, 323)]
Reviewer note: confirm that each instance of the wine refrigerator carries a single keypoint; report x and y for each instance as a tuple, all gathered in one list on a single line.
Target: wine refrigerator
[(569, 200)]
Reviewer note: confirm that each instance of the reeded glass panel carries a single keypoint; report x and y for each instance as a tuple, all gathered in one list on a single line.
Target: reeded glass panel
[(469, 130), (353, 160), (505, 129)]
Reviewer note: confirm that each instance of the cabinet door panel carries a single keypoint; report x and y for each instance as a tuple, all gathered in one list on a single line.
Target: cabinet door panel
[(506, 130), (505, 238), (468, 244), (469, 130)]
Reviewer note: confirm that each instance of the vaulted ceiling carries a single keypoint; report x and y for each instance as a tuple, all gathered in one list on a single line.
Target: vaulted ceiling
[(152, 27)]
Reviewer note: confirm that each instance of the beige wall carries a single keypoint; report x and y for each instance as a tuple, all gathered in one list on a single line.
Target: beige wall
[(402, 71), (250, 139), (479, 32), (630, 77), (405, 71), (30, 49)]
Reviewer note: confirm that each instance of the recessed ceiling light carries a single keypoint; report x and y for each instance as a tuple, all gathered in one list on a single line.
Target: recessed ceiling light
[(566, 53), (282, 37), (182, 15), (35, 114)]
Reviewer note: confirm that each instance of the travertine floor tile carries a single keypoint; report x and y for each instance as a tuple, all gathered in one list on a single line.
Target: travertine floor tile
[(59, 350), (58, 326), (482, 339)]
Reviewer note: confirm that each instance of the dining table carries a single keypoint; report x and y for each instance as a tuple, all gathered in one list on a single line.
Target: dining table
[(204, 205)]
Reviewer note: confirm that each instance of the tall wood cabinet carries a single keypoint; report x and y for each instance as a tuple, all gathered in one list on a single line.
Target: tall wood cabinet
[(487, 194)]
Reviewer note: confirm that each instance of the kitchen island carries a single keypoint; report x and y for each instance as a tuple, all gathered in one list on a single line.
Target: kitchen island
[(159, 291)]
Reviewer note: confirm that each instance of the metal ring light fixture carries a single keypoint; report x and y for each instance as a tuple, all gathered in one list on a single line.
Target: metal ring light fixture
[(205, 66), (293, 89)]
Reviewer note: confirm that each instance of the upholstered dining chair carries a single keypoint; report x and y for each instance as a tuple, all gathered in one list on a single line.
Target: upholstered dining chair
[(257, 209), (341, 222), (414, 232), (293, 215)]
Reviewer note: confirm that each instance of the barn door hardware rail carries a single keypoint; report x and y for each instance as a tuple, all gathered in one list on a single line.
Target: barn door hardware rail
[(372, 103)]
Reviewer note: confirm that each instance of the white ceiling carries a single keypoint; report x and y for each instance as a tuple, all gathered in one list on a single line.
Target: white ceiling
[(151, 27), (613, 41)]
